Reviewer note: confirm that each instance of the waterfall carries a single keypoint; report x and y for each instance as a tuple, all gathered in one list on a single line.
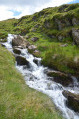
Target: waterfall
[(35, 77)]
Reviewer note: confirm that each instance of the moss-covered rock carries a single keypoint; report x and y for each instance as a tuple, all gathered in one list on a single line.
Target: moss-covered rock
[(72, 100), (60, 77)]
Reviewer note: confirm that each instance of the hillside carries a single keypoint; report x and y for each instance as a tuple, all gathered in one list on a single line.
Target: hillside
[(53, 35), (57, 29)]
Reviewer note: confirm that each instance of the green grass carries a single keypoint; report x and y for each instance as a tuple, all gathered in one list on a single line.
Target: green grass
[(65, 59), (44, 25), (17, 100)]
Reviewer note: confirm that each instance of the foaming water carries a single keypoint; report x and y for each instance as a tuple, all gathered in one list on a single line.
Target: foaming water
[(36, 78)]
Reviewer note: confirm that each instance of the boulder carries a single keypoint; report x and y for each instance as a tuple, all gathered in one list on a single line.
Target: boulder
[(19, 41), (21, 60), (17, 50), (32, 47), (34, 39), (75, 35), (72, 100), (60, 77)]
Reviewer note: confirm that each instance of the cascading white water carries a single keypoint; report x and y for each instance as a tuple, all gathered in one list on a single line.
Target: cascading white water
[(37, 79)]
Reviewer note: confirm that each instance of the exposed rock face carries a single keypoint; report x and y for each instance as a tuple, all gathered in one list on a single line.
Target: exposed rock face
[(75, 21), (72, 100), (60, 77), (17, 51), (75, 34), (19, 41), (34, 39), (63, 23), (21, 60)]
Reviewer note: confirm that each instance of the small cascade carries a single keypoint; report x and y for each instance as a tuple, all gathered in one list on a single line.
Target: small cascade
[(36, 78)]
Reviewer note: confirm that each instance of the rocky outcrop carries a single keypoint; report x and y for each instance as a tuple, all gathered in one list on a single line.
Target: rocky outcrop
[(17, 50), (61, 24), (72, 100), (21, 60), (60, 77), (75, 21), (75, 35), (34, 39), (19, 41)]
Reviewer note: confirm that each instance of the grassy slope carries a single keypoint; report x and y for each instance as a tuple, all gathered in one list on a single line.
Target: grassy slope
[(43, 25), (17, 100)]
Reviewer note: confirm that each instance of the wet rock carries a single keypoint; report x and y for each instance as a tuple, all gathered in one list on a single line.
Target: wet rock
[(34, 39), (17, 51), (21, 60), (19, 41), (35, 61), (72, 100), (60, 77), (19, 47), (75, 34)]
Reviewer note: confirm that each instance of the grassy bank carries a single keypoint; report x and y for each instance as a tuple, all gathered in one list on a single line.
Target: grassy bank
[(17, 100)]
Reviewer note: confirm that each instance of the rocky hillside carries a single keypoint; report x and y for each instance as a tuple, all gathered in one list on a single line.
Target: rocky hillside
[(55, 34)]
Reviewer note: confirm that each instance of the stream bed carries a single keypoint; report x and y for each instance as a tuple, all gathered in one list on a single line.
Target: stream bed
[(35, 77)]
